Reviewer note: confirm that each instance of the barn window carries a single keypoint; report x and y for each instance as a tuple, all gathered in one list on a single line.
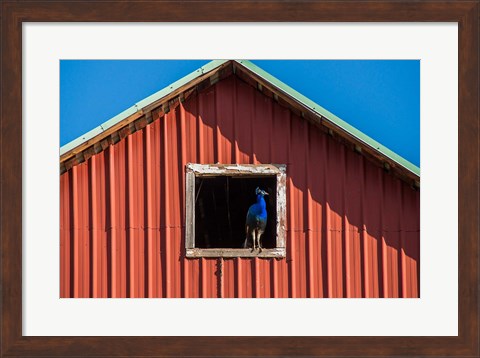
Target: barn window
[(217, 200)]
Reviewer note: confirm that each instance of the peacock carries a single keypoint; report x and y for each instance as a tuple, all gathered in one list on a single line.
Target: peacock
[(256, 221)]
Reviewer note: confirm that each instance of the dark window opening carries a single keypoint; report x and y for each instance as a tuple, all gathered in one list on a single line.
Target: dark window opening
[(221, 205)]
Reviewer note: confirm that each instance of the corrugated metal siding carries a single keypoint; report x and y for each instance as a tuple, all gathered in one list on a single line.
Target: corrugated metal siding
[(352, 229)]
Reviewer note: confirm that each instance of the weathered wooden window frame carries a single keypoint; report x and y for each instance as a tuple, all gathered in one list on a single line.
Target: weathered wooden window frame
[(205, 170)]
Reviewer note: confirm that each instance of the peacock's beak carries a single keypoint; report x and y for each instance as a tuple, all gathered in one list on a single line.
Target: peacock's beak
[(265, 193)]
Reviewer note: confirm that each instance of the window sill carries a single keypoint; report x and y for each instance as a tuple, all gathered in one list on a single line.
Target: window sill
[(274, 253)]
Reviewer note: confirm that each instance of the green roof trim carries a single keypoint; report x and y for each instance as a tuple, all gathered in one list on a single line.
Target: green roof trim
[(330, 117), (304, 101)]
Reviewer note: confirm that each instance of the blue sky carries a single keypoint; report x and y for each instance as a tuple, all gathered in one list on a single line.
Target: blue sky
[(379, 97)]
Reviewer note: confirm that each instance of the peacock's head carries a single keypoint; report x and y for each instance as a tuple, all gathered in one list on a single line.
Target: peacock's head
[(261, 192)]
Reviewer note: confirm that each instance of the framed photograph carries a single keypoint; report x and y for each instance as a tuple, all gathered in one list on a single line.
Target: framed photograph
[(53, 251)]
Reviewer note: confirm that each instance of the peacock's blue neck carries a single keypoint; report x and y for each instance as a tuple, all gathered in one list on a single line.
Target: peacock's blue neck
[(261, 203)]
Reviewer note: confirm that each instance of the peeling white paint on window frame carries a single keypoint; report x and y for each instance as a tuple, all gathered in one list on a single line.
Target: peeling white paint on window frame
[(193, 170)]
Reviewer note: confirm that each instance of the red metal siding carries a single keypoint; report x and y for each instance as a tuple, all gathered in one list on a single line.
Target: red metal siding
[(353, 230)]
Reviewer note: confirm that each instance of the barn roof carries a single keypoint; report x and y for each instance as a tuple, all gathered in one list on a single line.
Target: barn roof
[(140, 114)]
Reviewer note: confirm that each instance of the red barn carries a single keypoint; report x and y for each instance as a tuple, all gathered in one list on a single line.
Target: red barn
[(153, 201)]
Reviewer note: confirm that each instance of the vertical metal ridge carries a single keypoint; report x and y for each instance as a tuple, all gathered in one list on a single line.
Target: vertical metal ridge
[(217, 136), (417, 245), (412, 242), (253, 131), (309, 219), (65, 236), (72, 235), (76, 245), (186, 279), (322, 188), (90, 229), (256, 278), (208, 123), (130, 240), (244, 127), (401, 253), (203, 270), (149, 248), (87, 253), (82, 228), (347, 283), (171, 198), (220, 275), (198, 120), (112, 227), (177, 181), (159, 214), (228, 119), (328, 229), (363, 235), (141, 259), (396, 229), (175, 205), (290, 215), (123, 254), (349, 227), (402, 248), (179, 200), (104, 243), (229, 282), (166, 198), (271, 110), (183, 161), (316, 169), (198, 158), (383, 261), (400, 264), (97, 226), (239, 277), (251, 152), (274, 279), (267, 278), (162, 219), (342, 253), (334, 218), (119, 252), (96, 260), (235, 121)]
